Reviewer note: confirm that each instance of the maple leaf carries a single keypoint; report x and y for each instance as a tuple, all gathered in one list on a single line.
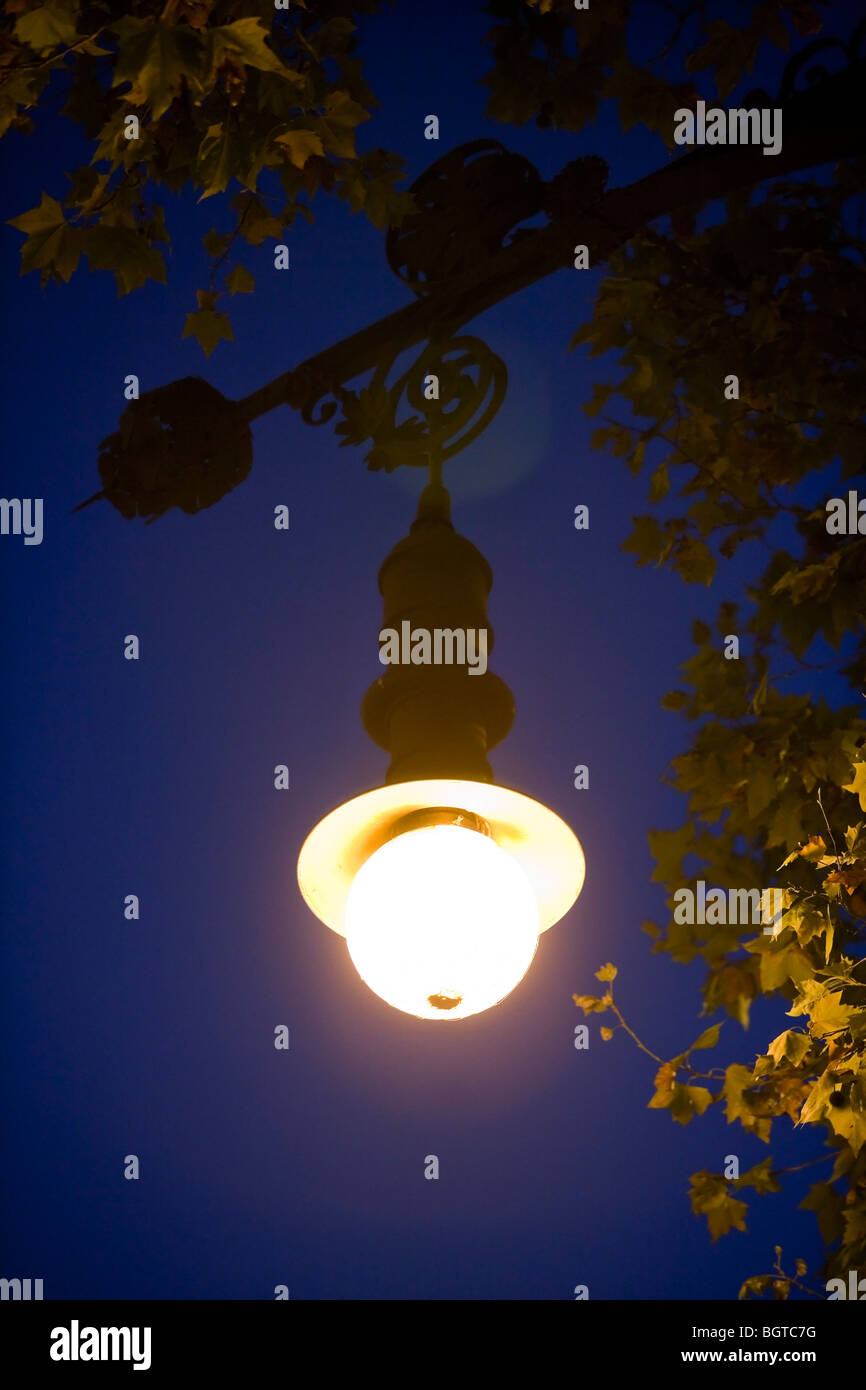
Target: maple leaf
[(337, 124), (157, 59), (709, 1196), (52, 246), (300, 145), (224, 154), (240, 281), (858, 786), (49, 26), (729, 1215), (255, 221), (215, 243), (694, 561), (244, 41), (125, 252), (791, 1046), (827, 1014), (208, 326)]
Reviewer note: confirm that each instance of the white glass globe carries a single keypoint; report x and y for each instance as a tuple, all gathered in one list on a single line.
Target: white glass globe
[(441, 922)]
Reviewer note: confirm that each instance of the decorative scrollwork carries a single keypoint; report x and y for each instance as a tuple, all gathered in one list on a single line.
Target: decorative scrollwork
[(469, 388), (468, 202), (306, 391), (850, 51)]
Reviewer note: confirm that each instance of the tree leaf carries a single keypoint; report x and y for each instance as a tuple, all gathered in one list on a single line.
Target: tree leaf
[(694, 560), (761, 1177), (858, 786), (158, 59), (591, 1004), (708, 1038), (826, 1203), (216, 243), (300, 145), (337, 125), (48, 27), (710, 1196), (647, 540), (240, 281), (52, 246), (829, 1015), (791, 1046), (255, 220), (125, 252), (225, 153), (243, 41), (208, 326)]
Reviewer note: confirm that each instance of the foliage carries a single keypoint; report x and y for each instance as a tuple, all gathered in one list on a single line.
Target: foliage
[(771, 288), (557, 65), (775, 780), (230, 95)]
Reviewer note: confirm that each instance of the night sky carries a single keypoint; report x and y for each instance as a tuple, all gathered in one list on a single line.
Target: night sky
[(306, 1168)]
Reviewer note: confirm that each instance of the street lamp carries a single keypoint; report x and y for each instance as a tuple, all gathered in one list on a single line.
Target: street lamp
[(441, 881)]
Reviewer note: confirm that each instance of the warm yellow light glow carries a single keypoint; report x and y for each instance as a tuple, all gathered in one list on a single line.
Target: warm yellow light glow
[(441, 922), (425, 920)]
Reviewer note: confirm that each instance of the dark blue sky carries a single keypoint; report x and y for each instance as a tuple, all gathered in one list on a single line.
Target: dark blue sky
[(155, 1037)]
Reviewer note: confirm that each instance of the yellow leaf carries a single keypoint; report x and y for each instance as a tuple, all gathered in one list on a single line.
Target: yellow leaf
[(858, 786), (51, 245), (708, 1038), (49, 26), (829, 1015), (157, 59), (300, 145), (730, 1214), (240, 281), (643, 377), (208, 327), (244, 42)]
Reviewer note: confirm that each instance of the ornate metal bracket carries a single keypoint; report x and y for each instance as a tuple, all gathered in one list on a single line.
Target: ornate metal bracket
[(186, 445), (454, 388), (850, 50)]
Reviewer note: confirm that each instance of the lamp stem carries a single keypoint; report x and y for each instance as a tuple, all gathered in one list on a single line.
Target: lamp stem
[(434, 504), (437, 720)]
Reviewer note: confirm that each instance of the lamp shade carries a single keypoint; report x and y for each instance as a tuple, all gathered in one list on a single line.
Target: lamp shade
[(442, 888)]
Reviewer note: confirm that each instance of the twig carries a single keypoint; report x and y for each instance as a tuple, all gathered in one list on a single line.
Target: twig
[(632, 1034), (55, 57), (827, 823)]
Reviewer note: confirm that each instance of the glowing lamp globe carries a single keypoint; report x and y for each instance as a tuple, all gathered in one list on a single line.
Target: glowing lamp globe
[(441, 922), (441, 889)]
